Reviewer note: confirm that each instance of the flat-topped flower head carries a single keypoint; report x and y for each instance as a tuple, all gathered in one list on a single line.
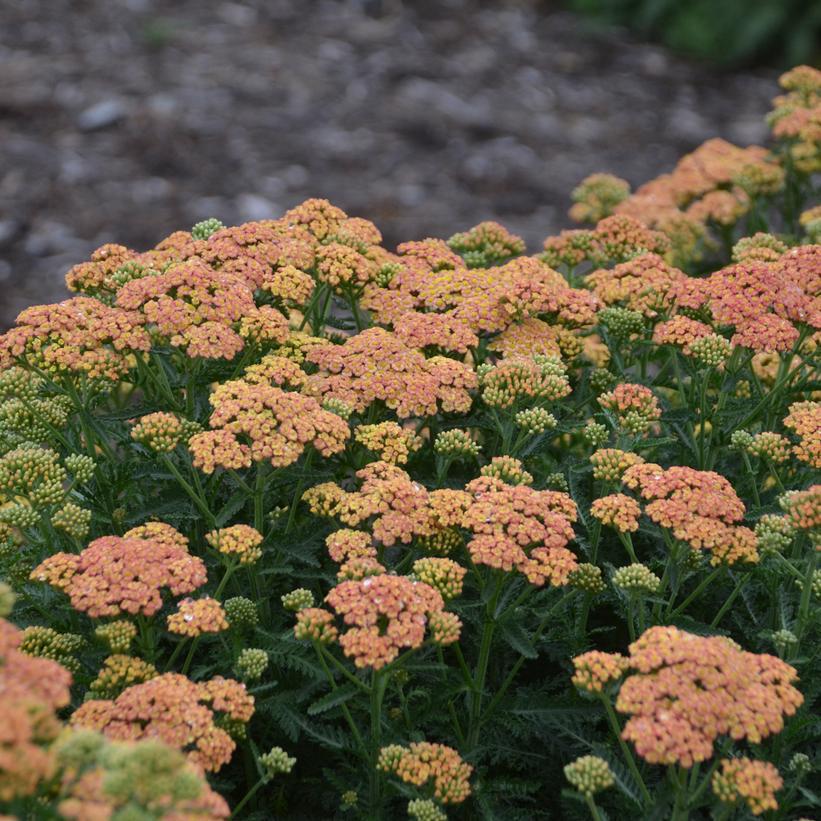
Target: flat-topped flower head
[(176, 710), (804, 420), (517, 527), (594, 670), (117, 635), (384, 616), (117, 575), (422, 762), (688, 690), (389, 441), (771, 446), (700, 508), (81, 336), (197, 616), (160, 431), (618, 511), (32, 690), (118, 673), (267, 424), (375, 365), (348, 544), (443, 332), (803, 508), (745, 779), (315, 624), (241, 542)]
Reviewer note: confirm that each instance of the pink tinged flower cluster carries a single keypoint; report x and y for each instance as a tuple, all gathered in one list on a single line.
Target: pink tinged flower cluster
[(688, 690), (176, 710), (116, 575), (701, 508), (376, 365), (264, 423), (517, 527), (384, 615)]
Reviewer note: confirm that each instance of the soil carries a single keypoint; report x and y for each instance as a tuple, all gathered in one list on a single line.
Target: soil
[(122, 120)]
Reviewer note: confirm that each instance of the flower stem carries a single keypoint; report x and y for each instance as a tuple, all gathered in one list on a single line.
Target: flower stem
[(628, 756)]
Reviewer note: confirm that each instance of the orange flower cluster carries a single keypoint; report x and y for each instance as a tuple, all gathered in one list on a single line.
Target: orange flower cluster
[(375, 366), (392, 443), (804, 419), (384, 614), (644, 283), (615, 239), (804, 508), (440, 331), (689, 689), (705, 186), (31, 691), (635, 406), (342, 266), (681, 331), (197, 616), (315, 624), (176, 710), (796, 116), (594, 670), (618, 511), (197, 308), (78, 336), (522, 528), (596, 196), (699, 507), (422, 762), (753, 782), (238, 541), (277, 424), (116, 575)]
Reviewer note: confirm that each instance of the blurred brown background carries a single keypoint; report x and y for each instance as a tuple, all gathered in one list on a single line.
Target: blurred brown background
[(122, 120)]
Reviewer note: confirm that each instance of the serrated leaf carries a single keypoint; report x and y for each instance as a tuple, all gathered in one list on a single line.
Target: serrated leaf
[(515, 635), (333, 699)]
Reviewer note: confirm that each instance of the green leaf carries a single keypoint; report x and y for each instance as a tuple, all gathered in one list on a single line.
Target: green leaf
[(333, 699)]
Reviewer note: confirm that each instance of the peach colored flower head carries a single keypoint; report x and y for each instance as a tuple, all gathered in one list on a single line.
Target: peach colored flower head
[(804, 420), (804, 508), (594, 670), (389, 441), (422, 762), (635, 406), (239, 541), (79, 336), (688, 690), (273, 424), (745, 779), (384, 615), (376, 365), (617, 511), (176, 710), (681, 331), (315, 624), (197, 616), (116, 575), (439, 331), (31, 691), (348, 544), (517, 527)]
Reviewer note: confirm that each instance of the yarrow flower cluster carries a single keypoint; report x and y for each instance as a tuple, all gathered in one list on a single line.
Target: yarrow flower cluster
[(634, 406), (688, 690), (753, 782), (589, 774), (422, 762)]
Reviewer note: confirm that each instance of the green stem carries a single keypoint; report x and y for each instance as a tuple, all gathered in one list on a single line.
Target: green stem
[(298, 493), (591, 805), (194, 496), (806, 593), (248, 796), (701, 587), (627, 540), (729, 601), (345, 711), (378, 684), (628, 756)]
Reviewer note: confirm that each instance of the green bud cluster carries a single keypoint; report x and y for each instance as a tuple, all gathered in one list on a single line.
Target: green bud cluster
[(204, 229), (588, 577), (423, 809), (800, 764), (35, 473), (45, 642), (711, 351), (73, 520), (80, 466), (595, 434), (298, 599), (241, 612), (621, 323), (535, 420), (602, 380), (638, 578), (455, 444), (741, 440), (556, 481), (774, 534), (589, 775), (276, 762), (337, 406), (251, 664), (118, 635), (784, 641), (7, 599)]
